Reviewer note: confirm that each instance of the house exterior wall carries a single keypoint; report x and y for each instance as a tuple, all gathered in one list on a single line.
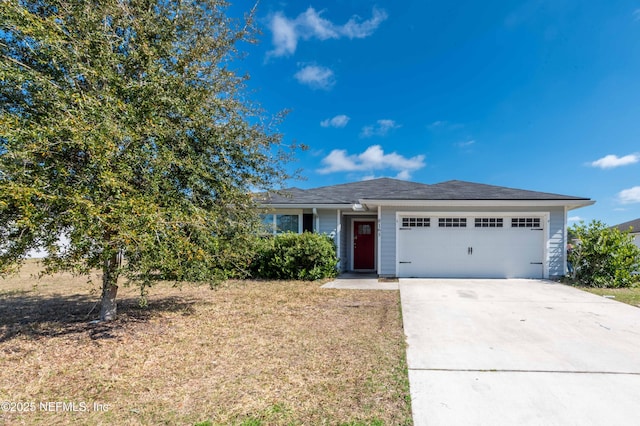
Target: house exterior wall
[(556, 245), (341, 229), (387, 235), (343, 254), (555, 248), (328, 222)]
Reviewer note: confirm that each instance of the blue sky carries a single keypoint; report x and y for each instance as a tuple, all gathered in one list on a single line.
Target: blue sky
[(541, 95)]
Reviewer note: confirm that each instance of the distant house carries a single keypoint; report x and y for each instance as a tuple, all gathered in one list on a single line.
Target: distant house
[(397, 228), (634, 226)]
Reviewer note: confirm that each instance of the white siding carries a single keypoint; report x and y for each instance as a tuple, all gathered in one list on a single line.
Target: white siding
[(345, 239), (556, 246), (328, 222), (387, 235)]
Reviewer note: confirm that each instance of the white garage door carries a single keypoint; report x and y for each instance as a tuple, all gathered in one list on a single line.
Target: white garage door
[(471, 246)]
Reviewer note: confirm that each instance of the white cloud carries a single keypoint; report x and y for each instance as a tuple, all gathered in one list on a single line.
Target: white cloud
[(381, 128), (355, 29), (285, 37), (337, 121), (310, 24), (611, 161), (443, 125), (636, 15), (629, 196), (466, 144), (404, 175), (316, 77), (373, 158), (574, 219)]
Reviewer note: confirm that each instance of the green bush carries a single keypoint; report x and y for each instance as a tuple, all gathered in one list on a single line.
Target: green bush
[(292, 256), (232, 259), (604, 257)]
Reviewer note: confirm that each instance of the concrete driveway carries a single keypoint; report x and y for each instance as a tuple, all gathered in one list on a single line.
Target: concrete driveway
[(519, 352)]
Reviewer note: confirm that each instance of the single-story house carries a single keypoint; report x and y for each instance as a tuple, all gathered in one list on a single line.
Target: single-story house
[(461, 229), (634, 226)]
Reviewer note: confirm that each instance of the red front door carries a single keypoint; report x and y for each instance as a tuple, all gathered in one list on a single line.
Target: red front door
[(364, 245)]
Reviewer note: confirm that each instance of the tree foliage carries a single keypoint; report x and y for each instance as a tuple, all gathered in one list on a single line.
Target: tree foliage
[(604, 257), (290, 256), (124, 128)]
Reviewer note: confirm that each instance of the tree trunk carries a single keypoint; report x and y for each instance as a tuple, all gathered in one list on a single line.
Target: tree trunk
[(109, 307), (110, 271)]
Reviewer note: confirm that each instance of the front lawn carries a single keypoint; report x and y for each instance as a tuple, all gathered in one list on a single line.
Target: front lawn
[(630, 295), (247, 353)]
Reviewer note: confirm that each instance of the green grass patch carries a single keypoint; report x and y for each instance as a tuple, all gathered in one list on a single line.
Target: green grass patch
[(630, 296)]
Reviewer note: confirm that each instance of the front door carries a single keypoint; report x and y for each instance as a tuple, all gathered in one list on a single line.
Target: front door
[(364, 245)]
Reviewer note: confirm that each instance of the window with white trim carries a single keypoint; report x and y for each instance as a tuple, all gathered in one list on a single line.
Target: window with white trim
[(525, 222), (452, 222), (281, 223), (416, 222), (488, 222)]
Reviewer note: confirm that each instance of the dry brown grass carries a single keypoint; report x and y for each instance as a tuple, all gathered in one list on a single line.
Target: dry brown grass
[(247, 353)]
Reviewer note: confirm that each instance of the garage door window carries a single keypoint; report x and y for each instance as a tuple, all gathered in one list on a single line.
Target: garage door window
[(452, 222), (525, 222), (416, 222), (488, 222)]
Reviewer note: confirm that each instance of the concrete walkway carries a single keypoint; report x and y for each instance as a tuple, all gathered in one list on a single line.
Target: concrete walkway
[(519, 352), (356, 281)]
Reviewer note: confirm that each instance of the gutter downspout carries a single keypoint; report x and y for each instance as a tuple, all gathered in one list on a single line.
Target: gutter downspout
[(566, 243), (338, 238), (316, 218), (378, 264)]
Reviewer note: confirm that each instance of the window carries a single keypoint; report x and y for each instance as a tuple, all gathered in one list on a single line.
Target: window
[(452, 222), (525, 222), (416, 222), (488, 222), (364, 229), (286, 223), (280, 223)]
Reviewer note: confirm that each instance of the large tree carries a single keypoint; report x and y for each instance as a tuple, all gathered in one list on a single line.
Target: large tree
[(125, 130)]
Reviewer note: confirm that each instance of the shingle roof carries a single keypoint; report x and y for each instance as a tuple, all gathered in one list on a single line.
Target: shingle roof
[(632, 223), (394, 189)]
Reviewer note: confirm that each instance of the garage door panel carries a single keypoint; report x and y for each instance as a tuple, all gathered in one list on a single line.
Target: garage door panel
[(419, 251), (500, 252), (424, 250)]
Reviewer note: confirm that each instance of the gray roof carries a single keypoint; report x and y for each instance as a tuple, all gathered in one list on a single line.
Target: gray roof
[(394, 189), (635, 224)]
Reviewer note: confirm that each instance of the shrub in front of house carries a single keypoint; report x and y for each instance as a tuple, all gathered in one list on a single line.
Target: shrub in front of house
[(290, 256), (604, 257)]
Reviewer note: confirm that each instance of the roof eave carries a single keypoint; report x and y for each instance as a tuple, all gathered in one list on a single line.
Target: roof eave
[(570, 204), (304, 206), (581, 203)]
